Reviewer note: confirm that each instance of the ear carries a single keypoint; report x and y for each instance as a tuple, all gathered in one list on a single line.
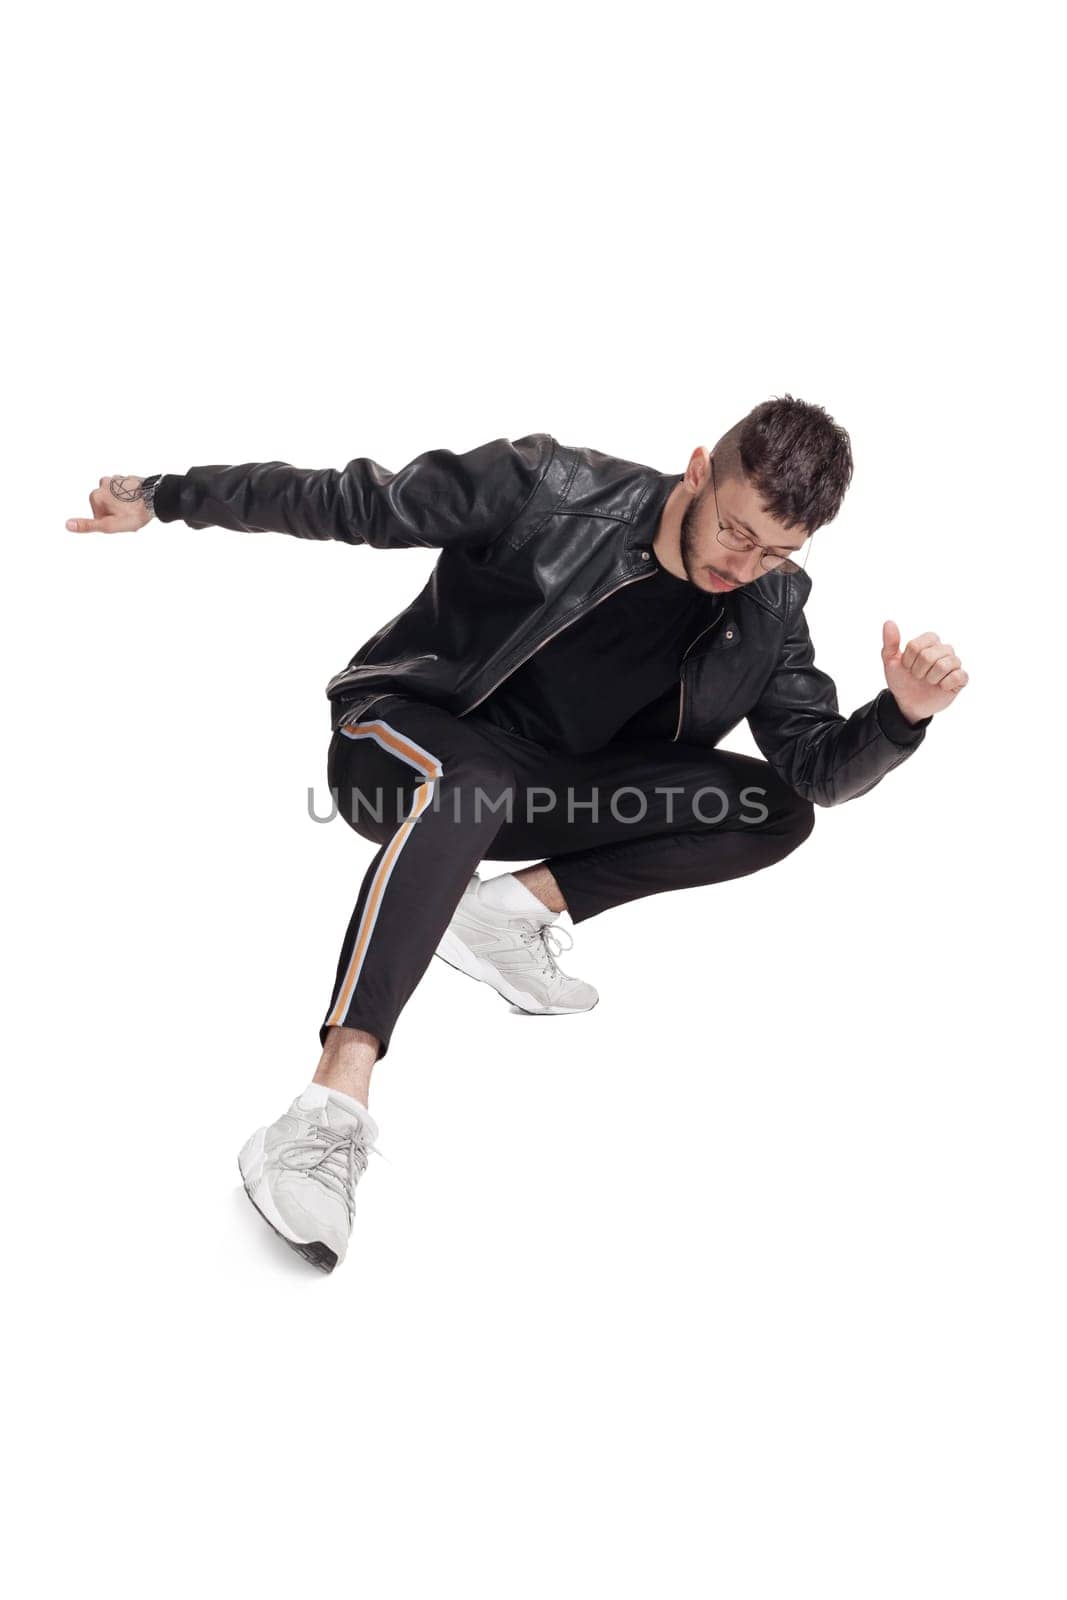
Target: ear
[(699, 468)]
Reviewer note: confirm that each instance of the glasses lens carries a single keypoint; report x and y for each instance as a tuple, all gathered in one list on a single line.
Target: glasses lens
[(798, 563), (768, 562), (732, 540), (773, 564)]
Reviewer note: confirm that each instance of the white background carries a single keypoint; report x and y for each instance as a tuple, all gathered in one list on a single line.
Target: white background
[(748, 1283)]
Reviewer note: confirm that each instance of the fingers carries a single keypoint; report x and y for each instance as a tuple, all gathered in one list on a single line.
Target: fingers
[(105, 509), (890, 638), (101, 504), (937, 670), (95, 525), (929, 659), (933, 661), (922, 641)]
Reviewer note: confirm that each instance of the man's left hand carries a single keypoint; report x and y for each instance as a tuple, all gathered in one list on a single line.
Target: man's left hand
[(924, 677)]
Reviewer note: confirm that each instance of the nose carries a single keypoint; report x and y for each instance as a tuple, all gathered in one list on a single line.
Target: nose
[(750, 567), (742, 568)]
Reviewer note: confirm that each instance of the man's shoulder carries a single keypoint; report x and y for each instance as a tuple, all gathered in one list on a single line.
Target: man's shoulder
[(602, 484), (780, 593)]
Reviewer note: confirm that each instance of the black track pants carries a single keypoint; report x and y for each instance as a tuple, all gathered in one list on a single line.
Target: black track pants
[(441, 793)]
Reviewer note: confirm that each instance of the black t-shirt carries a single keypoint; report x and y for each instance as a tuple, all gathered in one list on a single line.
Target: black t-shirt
[(576, 691)]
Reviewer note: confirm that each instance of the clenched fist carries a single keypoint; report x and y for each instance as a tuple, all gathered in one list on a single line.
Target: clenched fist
[(118, 507), (925, 677)]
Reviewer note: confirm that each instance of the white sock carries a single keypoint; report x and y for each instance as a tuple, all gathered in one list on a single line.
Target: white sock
[(506, 893), (317, 1094)]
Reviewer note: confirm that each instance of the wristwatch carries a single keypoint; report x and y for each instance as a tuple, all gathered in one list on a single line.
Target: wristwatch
[(148, 490)]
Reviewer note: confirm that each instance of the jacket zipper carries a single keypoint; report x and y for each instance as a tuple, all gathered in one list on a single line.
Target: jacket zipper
[(681, 673), (639, 578)]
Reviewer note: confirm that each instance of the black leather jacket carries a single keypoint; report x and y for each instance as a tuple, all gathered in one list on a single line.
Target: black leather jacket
[(532, 534)]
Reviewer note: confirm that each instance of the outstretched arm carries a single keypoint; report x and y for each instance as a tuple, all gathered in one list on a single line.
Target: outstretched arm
[(437, 500)]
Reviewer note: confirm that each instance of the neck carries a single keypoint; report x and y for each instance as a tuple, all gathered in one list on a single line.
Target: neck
[(668, 538)]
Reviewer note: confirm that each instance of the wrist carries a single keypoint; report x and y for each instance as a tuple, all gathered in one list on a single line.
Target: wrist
[(896, 726), (148, 492)]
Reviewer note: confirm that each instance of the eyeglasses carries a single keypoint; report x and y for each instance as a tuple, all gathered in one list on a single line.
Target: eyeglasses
[(733, 540)]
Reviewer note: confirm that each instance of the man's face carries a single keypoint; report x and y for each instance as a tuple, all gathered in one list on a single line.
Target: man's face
[(709, 563)]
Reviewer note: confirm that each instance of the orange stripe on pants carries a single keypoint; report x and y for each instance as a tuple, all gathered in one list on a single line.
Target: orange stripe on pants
[(399, 745)]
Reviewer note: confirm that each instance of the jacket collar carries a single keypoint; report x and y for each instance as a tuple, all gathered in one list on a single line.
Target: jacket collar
[(771, 592), (641, 532)]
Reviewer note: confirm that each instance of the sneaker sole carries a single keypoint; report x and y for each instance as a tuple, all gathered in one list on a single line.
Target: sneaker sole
[(455, 954), (320, 1255)]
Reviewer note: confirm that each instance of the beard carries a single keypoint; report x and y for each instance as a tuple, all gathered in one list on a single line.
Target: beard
[(689, 540), (688, 537)]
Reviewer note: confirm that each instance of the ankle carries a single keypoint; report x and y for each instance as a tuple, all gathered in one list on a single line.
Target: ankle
[(538, 882), (354, 1083), (347, 1061)]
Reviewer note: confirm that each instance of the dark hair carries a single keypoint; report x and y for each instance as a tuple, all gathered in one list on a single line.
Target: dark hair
[(795, 455)]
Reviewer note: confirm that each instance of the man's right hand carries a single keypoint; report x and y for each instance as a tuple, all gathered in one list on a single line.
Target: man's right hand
[(118, 507)]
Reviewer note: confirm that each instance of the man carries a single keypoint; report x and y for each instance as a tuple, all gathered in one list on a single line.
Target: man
[(591, 630)]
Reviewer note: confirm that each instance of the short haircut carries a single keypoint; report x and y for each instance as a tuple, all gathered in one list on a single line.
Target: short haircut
[(798, 459)]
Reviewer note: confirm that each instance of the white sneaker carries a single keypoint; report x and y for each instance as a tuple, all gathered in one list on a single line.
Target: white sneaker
[(301, 1173), (515, 954)]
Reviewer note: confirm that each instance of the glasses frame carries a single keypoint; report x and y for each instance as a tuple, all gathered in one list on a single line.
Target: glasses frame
[(778, 563)]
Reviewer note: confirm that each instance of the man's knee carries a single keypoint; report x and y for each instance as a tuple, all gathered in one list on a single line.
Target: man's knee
[(473, 785), (785, 820), (799, 820), (803, 817), (375, 812)]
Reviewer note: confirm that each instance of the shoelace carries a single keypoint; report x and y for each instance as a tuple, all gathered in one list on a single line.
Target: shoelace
[(338, 1158), (541, 942)]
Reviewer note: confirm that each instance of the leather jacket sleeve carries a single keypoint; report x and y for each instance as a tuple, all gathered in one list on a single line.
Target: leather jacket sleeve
[(437, 500), (824, 756)]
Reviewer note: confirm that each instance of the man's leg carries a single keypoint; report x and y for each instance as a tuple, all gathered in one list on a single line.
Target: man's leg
[(347, 1060), (632, 819), (541, 881), (645, 817), (432, 791), (423, 786)]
